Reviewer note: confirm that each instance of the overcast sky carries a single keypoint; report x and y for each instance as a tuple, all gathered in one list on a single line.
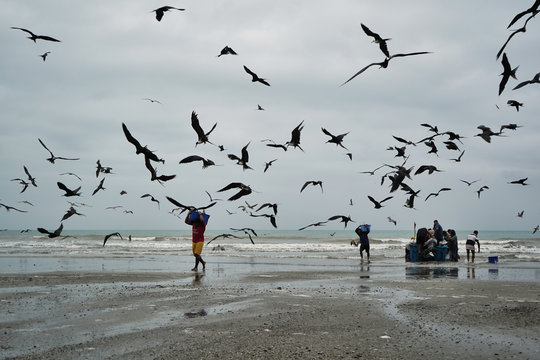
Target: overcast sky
[(113, 54)]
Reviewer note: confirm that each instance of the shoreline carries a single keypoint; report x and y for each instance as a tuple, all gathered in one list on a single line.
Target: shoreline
[(264, 311)]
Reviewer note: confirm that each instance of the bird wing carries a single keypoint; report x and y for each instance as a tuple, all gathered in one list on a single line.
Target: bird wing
[(43, 231), (239, 194), (59, 230), (25, 30), (48, 38), (196, 125), (191, 158), (410, 54), (245, 154), (42, 144), (361, 71), (212, 129), (250, 72), (130, 138), (176, 203), (231, 186), (388, 198), (373, 200)]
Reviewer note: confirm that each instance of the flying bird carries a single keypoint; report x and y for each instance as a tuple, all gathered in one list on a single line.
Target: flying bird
[(102, 169), (53, 158), (314, 183), (519, 182), (53, 234), (226, 236), (139, 149), (534, 80), (320, 223), (532, 10), (71, 211), (162, 10), (8, 208), (255, 77), (151, 198), (377, 39), (486, 133), (227, 51), (342, 218), (469, 183), (202, 136), (335, 139), (270, 216), (99, 187), (244, 190), (479, 191), (429, 168), (247, 232), (111, 235), (507, 73), (35, 37), (378, 203), (536, 228), (437, 193), (514, 103), (259, 107), (384, 64), (68, 191), (459, 157), (152, 100), (72, 174), (295, 136), (509, 127), (520, 213), (243, 160), (274, 207), (268, 164), (205, 162), (44, 55), (392, 220), (189, 207)]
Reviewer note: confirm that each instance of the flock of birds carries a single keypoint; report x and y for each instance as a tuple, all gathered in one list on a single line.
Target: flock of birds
[(397, 175)]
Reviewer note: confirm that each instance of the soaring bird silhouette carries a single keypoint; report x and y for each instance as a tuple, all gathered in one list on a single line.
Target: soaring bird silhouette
[(335, 139), (162, 10), (189, 207), (72, 174), (314, 183), (273, 206), (268, 164), (295, 136), (243, 160), (521, 29), (532, 10), (227, 51), (139, 149), (244, 190), (469, 183), (270, 216), (378, 203), (319, 223), (226, 236), (458, 159), (8, 208), (247, 232), (392, 220), (68, 191), (151, 198), (99, 187), (429, 168), (509, 127), (534, 80), (255, 77), (52, 234), (438, 192), (479, 191), (44, 55), (377, 39), (515, 103), (202, 136), (152, 100), (486, 133), (70, 212), (111, 235), (102, 169), (384, 64), (507, 73), (342, 218), (35, 37), (519, 182), (536, 228), (53, 158), (153, 172), (520, 213), (205, 162)]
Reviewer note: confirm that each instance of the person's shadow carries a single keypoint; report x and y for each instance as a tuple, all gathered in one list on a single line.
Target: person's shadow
[(197, 279)]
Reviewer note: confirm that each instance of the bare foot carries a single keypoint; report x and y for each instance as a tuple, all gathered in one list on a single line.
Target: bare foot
[(195, 269), (204, 265)]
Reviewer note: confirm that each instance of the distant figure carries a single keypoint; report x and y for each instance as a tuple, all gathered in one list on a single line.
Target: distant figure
[(362, 231), (452, 245), (469, 245), (421, 237), (438, 231), (198, 226)]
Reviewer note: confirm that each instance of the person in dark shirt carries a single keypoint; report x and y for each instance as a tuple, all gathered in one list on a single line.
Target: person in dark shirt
[(362, 231), (437, 228)]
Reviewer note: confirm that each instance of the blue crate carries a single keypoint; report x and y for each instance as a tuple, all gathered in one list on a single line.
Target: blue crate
[(414, 256), (441, 252), (493, 259)]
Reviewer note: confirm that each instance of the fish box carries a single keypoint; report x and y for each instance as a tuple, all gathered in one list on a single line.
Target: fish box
[(414, 256), (195, 215), (493, 259), (441, 252)]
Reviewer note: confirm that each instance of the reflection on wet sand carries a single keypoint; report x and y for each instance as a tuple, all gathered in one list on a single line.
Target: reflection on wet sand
[(425, 272), (364, 268), (471, 272)]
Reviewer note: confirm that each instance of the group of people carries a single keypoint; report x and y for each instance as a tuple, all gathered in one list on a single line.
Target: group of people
[(428, 239)]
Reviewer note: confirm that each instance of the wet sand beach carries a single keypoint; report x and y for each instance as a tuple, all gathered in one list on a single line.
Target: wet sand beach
[(260, 311)]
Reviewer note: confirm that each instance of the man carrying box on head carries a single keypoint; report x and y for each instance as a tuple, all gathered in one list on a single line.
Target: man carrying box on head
[(198, 225), (362, 231)]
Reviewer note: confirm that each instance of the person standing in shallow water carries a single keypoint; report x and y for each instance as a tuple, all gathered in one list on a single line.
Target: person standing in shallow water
[(197, 237), (362, 231), (469, 245)]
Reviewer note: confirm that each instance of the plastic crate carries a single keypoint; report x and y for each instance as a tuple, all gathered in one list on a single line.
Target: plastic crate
[(414, 256), (441, 252), (195, 215), (493, 259)]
